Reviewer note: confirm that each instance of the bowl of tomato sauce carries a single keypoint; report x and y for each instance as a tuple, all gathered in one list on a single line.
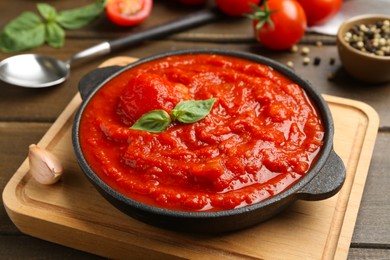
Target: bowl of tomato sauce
[(205, 140)]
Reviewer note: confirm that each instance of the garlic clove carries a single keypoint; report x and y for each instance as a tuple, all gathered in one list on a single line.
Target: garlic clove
[(44, 166)]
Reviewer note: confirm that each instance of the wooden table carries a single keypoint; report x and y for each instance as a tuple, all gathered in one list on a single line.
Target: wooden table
[(26, 114)]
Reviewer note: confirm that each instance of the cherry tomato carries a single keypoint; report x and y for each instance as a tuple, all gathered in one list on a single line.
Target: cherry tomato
[(279, 24), (193, 2), (236, 7), (128, 12), (320, 11)]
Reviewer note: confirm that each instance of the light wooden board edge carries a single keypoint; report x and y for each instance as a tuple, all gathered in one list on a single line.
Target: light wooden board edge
[(361, 172)]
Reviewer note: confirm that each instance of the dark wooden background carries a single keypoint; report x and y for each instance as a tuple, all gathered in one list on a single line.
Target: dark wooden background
[(26, 114)]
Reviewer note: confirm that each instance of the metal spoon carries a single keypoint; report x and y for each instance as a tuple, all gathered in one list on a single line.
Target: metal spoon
[(38, 71)]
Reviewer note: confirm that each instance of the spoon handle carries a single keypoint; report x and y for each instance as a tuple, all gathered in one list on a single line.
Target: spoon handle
[(190, 21), (178, 25), (94, 51)]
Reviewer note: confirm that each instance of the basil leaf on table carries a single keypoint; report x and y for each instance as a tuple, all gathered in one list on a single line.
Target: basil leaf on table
[(79, 17), (191, 111), (47, 11), (29, 30), (155, 121), (55, 35), (25, 32)]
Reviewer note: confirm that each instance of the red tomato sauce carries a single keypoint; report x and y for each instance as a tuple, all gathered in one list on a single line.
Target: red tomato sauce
[(261, 136)]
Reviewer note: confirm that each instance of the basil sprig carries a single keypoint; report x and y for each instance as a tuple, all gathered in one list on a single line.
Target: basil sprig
[(30, 30), (155, 121), (189, 111)]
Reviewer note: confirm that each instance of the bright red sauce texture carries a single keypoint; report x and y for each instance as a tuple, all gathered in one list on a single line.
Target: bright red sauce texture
[(262, 135)]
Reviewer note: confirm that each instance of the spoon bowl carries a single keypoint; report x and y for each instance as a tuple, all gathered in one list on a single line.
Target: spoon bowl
[(34, 71)]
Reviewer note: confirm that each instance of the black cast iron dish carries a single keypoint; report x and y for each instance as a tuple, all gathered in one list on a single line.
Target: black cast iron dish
[(323, 181)]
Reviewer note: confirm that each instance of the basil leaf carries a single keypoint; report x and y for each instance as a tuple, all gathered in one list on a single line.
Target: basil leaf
[(79, 17), (47, 11), (55, 35), (24, 32), (191, 111), (155, 121)]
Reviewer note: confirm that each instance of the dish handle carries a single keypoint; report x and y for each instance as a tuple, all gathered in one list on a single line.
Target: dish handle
[(327, 182), (93, 79)]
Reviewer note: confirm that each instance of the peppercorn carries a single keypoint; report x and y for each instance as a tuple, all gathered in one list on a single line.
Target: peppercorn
[(317, 61), (370, 38), (294, 48), (331, 76), (306, 60), (290, 64), (305, 50)]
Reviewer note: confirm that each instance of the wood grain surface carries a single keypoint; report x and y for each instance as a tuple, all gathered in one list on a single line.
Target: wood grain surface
[(26, 114)]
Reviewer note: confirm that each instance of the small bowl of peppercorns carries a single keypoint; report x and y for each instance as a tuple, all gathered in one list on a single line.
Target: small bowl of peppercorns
[(364, 47)]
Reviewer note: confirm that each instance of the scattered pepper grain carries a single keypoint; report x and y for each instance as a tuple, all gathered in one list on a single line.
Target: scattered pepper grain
[(331, 76), (305, 51), (317, 61), (294, 48), (306, 60)]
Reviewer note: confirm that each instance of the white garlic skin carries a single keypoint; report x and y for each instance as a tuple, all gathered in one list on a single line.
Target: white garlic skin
[(45, 167)]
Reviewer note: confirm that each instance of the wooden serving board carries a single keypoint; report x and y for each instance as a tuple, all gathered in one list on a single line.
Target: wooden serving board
[(72, 213)]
